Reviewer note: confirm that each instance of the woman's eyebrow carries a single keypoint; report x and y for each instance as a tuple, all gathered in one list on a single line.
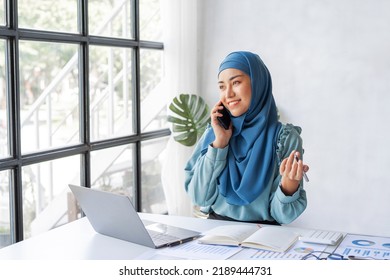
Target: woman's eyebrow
[(231, 78)]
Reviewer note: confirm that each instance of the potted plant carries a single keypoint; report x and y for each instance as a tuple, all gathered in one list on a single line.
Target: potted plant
[(192, 117)]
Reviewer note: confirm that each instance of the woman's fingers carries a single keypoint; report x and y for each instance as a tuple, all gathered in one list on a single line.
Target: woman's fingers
[(292, 167)]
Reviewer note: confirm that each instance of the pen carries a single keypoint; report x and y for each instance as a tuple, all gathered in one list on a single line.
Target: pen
[(304, 173), (180, 241), (360, 258), (175, 243)]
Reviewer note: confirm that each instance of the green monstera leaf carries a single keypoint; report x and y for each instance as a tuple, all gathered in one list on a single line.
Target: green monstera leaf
[(190, 120)]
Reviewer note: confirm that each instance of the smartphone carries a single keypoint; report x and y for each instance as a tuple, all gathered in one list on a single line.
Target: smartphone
[(224, 121)]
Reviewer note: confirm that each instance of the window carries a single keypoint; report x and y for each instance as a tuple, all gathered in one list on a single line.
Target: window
[(81, 102), (4, 146), (5, 226), (49, 95), (111, 95)]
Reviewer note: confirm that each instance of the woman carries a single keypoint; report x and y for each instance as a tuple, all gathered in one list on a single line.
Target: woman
[(253, 170)]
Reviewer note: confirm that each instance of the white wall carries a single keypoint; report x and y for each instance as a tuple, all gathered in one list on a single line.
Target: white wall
[(330, 64)]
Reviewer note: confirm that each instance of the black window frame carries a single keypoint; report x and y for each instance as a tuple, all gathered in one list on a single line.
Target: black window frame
[(11, 33)]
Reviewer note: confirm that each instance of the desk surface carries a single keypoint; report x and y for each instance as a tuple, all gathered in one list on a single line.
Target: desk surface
[(78, 240)]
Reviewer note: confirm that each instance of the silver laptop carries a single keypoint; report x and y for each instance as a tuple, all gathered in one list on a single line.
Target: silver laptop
[(114, 215)]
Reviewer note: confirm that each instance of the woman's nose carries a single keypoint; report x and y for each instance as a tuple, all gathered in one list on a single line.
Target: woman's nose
[(229, 92)]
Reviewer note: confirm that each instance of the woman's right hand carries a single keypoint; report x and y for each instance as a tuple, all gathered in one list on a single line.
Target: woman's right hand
[(222, 136)]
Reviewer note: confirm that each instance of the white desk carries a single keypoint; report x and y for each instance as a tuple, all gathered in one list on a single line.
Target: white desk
[(57, 250), (78, 241)]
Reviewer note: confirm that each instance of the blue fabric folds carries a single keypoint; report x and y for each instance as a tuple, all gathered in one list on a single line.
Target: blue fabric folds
[(251, 157)]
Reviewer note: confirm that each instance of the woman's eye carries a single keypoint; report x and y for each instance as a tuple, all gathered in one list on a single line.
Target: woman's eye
[(236, 83)]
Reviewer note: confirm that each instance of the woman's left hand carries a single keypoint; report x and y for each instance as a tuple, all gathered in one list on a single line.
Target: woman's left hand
[(291, 171)]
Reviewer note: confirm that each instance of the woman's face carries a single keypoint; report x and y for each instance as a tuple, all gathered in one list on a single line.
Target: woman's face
[(235, 91)]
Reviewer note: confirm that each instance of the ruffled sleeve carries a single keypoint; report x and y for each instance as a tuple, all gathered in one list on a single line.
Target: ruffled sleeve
[(285, 209), (289, 137)]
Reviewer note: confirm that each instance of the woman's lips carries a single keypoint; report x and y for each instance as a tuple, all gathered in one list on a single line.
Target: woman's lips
[(233, 103)]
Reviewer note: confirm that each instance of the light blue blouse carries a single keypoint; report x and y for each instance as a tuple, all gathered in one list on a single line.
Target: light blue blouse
[(202, 174)]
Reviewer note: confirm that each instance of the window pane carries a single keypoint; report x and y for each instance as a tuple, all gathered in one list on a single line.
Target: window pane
[(112, 170), (111, 92), (153, 198), (48, 15), (111, 18), (153, 97), (47, 202), (4, 147), (5, 228), (49, 89), (150, 20), (2, 13)]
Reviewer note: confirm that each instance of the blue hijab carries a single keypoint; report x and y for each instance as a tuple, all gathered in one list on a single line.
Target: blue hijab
[(251, 156)]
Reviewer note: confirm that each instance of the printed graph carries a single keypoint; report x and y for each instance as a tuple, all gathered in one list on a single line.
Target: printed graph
[(370, 247)]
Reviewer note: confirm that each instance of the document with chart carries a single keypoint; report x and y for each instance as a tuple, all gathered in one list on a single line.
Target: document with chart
[(365, 247), (299, 250)]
